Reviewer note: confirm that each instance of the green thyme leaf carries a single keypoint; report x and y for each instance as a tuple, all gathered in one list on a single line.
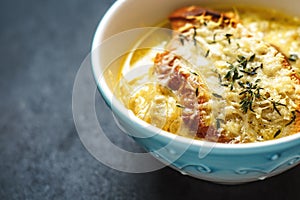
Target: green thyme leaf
[(251, 59), (293, 118), (194, 36), (207, 53), (228, 36), (277, 133), (293, 57), (217, 95), (179, 106)]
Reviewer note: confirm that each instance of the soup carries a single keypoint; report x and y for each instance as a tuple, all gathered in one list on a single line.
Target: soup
[(223, 75)]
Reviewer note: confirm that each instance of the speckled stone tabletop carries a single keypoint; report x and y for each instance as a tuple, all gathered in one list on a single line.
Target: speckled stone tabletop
[(42, 45)]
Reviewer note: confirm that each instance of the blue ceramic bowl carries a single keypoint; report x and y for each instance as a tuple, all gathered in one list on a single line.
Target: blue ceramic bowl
[(221, 163)]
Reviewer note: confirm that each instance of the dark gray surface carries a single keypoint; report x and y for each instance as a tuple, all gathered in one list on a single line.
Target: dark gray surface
[(42, 44)]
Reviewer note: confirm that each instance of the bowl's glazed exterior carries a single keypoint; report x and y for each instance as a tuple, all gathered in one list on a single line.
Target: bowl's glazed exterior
[(221, 163)]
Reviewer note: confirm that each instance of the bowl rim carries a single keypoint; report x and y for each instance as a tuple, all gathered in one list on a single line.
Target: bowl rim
[(105, 92)]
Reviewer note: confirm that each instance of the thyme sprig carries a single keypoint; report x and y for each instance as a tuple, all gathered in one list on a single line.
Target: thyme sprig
[(241, 67), (275, 104), (228, 36), (250, 72), (232, 75), (249, 94), (243, 62)]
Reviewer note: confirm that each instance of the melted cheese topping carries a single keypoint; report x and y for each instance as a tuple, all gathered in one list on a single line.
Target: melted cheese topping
[(275, 28), (278, 97), (257, 96)]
